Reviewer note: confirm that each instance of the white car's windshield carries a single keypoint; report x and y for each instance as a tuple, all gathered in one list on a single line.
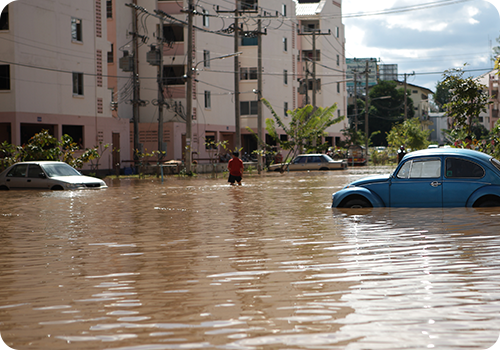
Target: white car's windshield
[(62, 169)]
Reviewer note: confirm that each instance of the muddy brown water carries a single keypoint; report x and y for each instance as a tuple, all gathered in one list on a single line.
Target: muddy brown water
[(197, 264)]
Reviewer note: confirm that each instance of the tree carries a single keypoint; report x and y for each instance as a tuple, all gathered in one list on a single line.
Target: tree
[(468, 98), (384, 113), (410, 134), (442, 95), (306, 127), (44, 146)]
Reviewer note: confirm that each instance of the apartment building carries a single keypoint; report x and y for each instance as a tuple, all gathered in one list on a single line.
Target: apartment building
[(321, 59), (53, 76), (490, 117), (218, 105)]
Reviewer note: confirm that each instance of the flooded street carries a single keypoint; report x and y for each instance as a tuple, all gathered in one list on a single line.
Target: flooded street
[(197, 264)]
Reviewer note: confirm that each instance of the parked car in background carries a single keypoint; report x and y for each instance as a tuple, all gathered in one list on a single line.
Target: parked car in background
[(316, 161), (356, 155), (439, 177), (49, 175)]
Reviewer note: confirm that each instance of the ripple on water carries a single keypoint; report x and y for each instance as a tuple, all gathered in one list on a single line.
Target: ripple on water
[(198, 264)]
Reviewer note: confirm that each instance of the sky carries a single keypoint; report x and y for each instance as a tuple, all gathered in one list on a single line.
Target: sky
[(426, 41)]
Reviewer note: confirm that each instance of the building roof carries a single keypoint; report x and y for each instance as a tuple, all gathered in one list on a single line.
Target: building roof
[(309, 9)]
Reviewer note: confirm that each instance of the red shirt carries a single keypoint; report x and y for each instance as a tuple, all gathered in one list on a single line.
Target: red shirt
[(235, 166)]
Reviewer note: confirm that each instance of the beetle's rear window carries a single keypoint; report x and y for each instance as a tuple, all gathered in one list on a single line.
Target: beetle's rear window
[(461, 168), (495, 162)]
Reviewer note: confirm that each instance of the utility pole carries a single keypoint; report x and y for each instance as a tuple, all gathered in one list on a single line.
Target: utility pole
[(355, 71), (314, 33), (259, 96), (189, 90), (405, 95), (237, 118), (367, 71), (135, 82), (161, 99)]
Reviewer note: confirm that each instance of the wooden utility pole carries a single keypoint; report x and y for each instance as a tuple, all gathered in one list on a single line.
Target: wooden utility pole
[(314, 33), (355, 99), (367, 71), (237, 85), (259, 96), (189, 90), (161, 99), (135, 82)]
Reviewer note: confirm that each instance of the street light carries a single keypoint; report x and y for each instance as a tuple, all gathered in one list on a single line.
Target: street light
[(367, 105), (189, 105), (218, 58)]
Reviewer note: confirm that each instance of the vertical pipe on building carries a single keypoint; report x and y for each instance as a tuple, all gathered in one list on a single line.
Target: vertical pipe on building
[(237, 83), (259, 94), (189, 92)]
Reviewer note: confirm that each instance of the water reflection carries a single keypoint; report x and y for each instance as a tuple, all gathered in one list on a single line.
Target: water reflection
[(269, 265)]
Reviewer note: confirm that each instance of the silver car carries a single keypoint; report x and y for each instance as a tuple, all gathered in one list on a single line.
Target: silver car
[(315, 161), (49, 175)]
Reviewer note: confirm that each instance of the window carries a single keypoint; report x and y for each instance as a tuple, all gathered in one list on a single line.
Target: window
[(4, 19), (283, 10), (461, 168), (18, 171), (249, 108), (109, 8), (300, 160), (76, 29), (78, 84), (4, 77), (249, 41), (206, 59), (338, 60), (247, 5), (111, 57), (206, 19), (337, 32), (284, 137), (173, 75), (310, 26), (210, 141), (285, 109), (248, 73), (208, 102), (285, 77), (75, 132), (308, 55), (173, 33), (34, 171), (311, 82), (338, 87), (285, 45), (420, 169)]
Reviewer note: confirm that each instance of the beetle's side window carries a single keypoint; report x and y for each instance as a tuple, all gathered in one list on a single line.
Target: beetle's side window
[(426, 169), (404, 171), (461, 168)]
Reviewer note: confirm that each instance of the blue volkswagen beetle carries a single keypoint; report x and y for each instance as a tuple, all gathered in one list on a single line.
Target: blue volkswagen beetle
[(442, 177)]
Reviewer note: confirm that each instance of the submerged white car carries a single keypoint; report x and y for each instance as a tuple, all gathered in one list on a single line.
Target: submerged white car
[(315, 161), (49, 175)]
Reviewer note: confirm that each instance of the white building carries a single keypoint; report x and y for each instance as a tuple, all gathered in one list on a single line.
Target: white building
[(320, 25), (214, 112), (53, 76)]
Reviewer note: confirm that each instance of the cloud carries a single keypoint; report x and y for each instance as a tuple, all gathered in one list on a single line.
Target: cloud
[(425, 41)]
